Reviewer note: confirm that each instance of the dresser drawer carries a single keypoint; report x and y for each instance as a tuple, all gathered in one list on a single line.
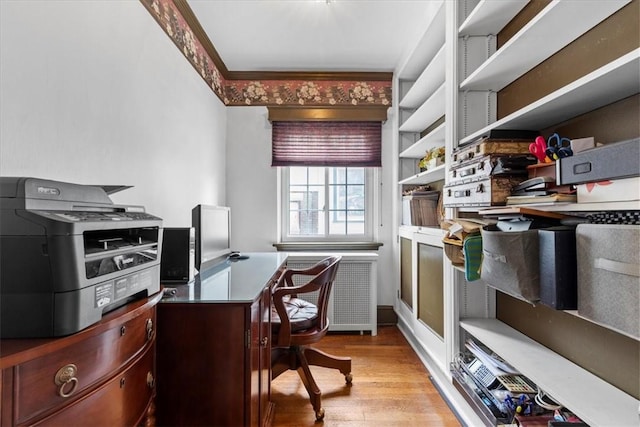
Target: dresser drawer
[(78, 367), (123, 401)]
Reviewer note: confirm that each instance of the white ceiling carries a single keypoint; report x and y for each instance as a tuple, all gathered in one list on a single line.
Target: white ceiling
[(313, 35)]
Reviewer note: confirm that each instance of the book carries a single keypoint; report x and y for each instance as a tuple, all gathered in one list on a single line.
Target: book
[(551, 198), (533, 193)]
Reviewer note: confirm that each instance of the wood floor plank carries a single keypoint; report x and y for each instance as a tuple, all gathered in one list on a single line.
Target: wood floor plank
[(391, 387)]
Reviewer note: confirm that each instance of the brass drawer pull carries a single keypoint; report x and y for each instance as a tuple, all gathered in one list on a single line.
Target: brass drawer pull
[(67, 375), (150, 380), (149, 329)]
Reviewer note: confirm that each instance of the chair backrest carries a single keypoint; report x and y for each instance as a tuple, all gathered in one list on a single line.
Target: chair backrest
[(325, 282), (324, 274)]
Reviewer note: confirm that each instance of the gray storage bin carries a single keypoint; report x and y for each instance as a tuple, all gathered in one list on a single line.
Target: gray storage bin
[(609, 275), (510, 262)]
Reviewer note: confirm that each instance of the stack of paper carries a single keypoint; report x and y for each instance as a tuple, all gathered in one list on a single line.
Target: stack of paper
[(496, 365)]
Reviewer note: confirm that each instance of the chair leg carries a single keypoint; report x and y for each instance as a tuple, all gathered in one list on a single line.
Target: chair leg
[(317, 357), (315, 395)]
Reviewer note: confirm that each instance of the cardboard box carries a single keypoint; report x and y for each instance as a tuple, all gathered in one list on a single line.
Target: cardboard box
[(421, 210), (453, 251), (619, 190)]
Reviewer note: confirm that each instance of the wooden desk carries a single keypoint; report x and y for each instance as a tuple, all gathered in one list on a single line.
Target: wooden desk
[(214, 346)]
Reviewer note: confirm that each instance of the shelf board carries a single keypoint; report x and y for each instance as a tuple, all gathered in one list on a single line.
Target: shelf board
[(426, 177), (610, 83), (430, 231), (426, 48), (568, 208), (540, 39), (427, 113), (489, 17), (431, 79), (576, 388), (433, 139)]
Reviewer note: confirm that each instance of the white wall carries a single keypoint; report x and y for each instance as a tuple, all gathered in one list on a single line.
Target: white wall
[(251, 181), (95, 92), (252, 191)]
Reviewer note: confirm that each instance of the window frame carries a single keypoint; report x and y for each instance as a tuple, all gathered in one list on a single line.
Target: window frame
[(371, 214)]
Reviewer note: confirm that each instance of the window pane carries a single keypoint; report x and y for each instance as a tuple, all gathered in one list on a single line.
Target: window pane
[(306, 223), (337, 197), (298, 198), (355, 227), (337, 224), (355, 197), (297, 176), (307, 197), (316, 176), (355, 175), (337, 175)]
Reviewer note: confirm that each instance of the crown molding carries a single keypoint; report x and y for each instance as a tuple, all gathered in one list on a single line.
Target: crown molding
[(311, 75), (193, 23)]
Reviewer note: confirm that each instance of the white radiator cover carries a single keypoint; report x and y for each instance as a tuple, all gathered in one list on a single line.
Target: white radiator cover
[(353, 301)]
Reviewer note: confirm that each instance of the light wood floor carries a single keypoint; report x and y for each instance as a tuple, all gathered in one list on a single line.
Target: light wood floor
[(391, 387)]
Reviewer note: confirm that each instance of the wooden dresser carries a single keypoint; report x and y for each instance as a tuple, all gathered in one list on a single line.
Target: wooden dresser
[(102, 375), (214, 349)]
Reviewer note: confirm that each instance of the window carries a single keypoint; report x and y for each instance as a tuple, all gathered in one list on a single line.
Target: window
[(327, 203), (328, 164)]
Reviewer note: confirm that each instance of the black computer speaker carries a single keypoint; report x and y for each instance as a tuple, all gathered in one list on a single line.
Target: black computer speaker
[(177, 262)]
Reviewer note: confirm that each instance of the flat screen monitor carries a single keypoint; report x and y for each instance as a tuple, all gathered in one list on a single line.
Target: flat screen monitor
[(212, 229)]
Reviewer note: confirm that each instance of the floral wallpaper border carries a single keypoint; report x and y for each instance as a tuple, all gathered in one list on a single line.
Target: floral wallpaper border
[(263, 92)]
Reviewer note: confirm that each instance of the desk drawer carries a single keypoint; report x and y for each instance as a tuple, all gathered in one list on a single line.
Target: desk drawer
[(88, 362), (120, 402)]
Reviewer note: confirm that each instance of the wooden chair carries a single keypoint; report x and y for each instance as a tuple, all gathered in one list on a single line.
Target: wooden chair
[(297, 323)]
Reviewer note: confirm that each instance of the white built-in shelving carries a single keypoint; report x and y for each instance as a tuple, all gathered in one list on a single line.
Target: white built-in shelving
[(553, 28), (421, 103), (468, 64), (609, 83), (577, 388), (422, 126), (427, 83), (433, 139), (427, 113), (426, 48), (426, 177), (490, 16), (474, 70)]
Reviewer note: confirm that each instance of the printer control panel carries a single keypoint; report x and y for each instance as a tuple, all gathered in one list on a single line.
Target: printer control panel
[(102, 216)]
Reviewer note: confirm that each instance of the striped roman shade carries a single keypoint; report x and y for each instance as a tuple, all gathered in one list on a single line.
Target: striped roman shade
[(327, 143)]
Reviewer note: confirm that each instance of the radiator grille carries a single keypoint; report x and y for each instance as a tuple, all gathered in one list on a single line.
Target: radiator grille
[(351, 300), (351, 294)]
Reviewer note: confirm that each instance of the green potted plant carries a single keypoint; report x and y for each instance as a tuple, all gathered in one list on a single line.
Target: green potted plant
[(433, 158)]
